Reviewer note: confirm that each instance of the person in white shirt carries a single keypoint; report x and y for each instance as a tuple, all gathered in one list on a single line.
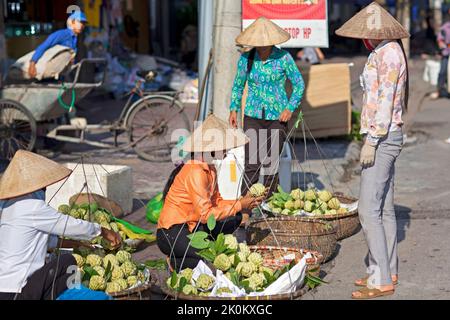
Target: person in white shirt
[(29, 228)]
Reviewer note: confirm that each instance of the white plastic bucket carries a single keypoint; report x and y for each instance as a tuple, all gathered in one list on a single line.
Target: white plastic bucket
[(431, 73)]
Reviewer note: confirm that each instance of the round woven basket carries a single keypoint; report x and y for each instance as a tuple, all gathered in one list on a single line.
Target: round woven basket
[(294, 232), (180, 296), (142, 292), (274, 258), (346, 225)]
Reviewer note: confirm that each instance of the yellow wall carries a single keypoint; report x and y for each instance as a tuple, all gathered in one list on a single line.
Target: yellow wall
[(140, 13), (20, 46)]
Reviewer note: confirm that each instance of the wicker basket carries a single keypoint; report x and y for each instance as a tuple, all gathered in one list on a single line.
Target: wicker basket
[(142, 292), (346, 225), (274, 259), (179, 296), (294, 232)]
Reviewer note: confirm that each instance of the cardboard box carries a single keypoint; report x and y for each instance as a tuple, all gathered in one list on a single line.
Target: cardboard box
[(327, 101)]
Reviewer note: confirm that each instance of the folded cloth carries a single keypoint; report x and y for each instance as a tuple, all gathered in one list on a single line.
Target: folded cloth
[(83, 294)]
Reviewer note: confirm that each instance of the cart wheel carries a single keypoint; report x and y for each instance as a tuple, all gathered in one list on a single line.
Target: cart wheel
[(17, 129), (151, 125)]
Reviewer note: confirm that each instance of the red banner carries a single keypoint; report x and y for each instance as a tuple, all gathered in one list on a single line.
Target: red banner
[(305, 20), (284, 9)]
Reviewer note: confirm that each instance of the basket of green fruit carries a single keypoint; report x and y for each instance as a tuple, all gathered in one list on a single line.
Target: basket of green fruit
[(132, 236), (338, 210), (245, 273), (116, 274)]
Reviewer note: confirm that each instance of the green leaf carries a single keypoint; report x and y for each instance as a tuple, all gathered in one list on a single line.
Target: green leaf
[(212, 223), (159, 264), (229, 251), (108, 272), (200, 244), (198, 235), (199, 240), (207, 255), (183, 283), (174, 280), (235, 278), (90, 271), (219, 246), (246, 285)]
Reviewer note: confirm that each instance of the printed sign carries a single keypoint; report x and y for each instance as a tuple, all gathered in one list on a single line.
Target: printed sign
[(305, 20)]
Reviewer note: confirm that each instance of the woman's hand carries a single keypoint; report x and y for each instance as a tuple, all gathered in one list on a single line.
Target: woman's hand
[(113, 237), (249, 202), (32, 72), (367, 155), (286, 116), (233, 119)]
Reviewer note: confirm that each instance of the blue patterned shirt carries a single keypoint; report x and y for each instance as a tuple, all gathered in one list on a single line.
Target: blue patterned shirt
[(266, 85)]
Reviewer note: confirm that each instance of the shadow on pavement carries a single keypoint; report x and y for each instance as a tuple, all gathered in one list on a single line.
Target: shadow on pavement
[(303, 179), (403, 223)]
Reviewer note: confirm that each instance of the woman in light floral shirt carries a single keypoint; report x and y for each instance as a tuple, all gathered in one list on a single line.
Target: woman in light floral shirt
[(385, 81)]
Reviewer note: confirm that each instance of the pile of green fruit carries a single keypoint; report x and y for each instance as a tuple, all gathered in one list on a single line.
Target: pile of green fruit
[(111, 273), (311, 201), (239, 264), (93, 213)]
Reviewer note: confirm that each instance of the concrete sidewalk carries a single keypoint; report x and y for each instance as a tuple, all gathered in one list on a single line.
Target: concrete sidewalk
[(423, 210), (422, 193)]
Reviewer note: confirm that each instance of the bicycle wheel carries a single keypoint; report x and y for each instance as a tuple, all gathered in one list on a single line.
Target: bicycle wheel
[(17, 129), (153, 125)]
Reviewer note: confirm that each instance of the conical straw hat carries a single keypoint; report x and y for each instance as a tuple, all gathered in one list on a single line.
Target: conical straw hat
[(263, 33), (373, 23), (215, 135), (28, 173)]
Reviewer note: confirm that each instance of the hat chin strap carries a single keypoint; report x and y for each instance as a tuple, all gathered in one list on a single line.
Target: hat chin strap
[(368, 44)]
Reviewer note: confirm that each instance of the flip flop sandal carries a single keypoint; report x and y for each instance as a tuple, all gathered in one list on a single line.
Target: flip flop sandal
[(363, 282), (366, 294)]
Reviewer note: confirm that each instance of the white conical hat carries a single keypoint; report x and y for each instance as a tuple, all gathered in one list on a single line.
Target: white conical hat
[(374, 23), (29, 172), (263, 33), (215, 135)]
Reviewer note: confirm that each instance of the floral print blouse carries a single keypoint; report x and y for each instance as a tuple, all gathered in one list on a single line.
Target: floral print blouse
[(267, 97), (384, 83)]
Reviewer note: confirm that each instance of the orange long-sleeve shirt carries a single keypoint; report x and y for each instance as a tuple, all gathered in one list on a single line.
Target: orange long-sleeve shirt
[(194, 196)]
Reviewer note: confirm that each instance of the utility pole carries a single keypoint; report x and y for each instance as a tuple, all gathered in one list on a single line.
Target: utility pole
[(404, 16), (227, 26), (2, 41)]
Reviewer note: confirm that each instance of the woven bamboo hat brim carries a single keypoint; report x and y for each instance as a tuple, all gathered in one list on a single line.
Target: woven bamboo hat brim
[(215, 135), (373, 23), (28, 173), (263, 33)]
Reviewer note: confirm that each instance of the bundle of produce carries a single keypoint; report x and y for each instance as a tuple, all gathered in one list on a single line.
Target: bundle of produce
[(111, 273), (310, 202), (241, 266), (93, 213), (244, 268)]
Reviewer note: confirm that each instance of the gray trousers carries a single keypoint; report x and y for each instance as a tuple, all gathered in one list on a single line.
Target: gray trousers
[(377, 212)]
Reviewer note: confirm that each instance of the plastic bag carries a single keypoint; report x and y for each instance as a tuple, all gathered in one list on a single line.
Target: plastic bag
[(154, 208)]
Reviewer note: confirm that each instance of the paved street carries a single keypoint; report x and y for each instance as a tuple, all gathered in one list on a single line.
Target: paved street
[(422, 191)]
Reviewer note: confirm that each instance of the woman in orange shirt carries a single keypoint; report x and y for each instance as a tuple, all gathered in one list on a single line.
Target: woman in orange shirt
[(192, 195)]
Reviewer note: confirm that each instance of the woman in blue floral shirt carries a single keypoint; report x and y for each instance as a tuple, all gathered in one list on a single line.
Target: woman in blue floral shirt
[(268, 109)]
